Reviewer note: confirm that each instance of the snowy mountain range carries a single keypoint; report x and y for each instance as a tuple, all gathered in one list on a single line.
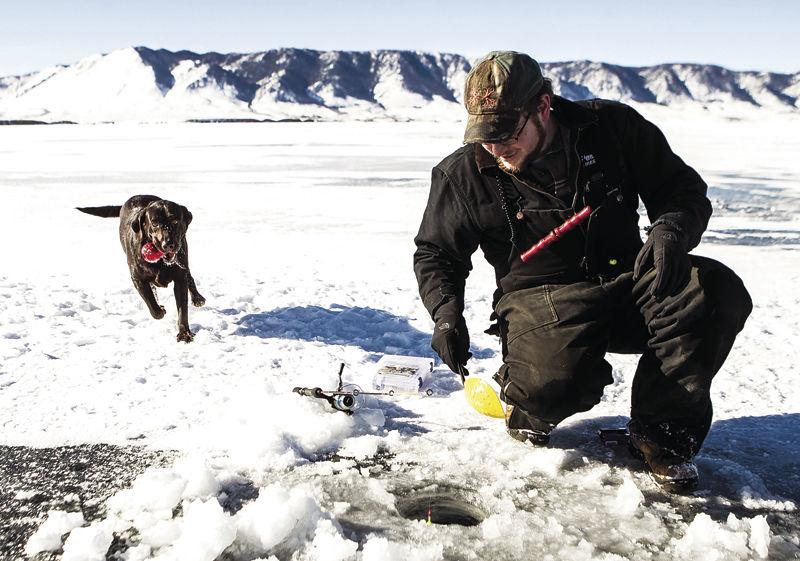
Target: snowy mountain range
[(144, 85)]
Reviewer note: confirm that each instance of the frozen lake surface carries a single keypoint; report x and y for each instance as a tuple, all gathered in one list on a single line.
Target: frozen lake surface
[(301, 243)]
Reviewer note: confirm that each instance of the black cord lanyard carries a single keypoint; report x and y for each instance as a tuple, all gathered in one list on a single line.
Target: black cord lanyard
[(503, 186)]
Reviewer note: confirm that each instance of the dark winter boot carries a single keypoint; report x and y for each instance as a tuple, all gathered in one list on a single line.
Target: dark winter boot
[(671, 470), (521, 426)]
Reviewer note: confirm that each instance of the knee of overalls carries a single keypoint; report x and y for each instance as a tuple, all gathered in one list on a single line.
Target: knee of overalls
[(725, 293), (553, 394)]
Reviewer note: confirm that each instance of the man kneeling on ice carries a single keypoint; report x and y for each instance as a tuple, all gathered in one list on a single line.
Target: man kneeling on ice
[(531, 162)]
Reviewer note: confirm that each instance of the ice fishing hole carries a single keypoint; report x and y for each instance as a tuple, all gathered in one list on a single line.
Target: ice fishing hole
[(440, 505)]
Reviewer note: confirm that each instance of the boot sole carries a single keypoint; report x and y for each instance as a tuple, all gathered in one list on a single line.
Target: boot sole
[(674, 486), (539, 442)]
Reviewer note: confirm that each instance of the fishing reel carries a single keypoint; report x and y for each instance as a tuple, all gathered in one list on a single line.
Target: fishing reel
[(344, 401), (344, 398)]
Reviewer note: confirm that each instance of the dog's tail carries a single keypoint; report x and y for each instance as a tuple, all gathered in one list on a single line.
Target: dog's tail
[(101, 211)]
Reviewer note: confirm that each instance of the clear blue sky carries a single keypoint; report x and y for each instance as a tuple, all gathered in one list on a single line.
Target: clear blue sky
[(741, 35)]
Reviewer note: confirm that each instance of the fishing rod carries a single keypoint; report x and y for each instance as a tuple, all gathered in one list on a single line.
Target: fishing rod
[(346, 400)]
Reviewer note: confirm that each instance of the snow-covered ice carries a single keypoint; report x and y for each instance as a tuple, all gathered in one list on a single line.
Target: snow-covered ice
[(301, 242)]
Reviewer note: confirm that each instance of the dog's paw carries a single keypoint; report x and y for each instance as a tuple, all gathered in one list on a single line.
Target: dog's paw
[(159, 313), (185, 335), (198, 302)]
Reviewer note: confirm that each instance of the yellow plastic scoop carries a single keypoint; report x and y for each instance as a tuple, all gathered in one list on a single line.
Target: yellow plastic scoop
[(482, 397)]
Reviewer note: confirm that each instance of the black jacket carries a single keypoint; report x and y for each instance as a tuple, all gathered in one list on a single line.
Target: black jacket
[(614, 158)]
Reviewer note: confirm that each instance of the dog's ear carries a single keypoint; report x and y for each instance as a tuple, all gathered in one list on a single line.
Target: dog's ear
[(137, 224), (186, 216)]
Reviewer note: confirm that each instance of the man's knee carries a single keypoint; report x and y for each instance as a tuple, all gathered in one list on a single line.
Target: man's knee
[(553, 394), (714, 295), (726, 296)]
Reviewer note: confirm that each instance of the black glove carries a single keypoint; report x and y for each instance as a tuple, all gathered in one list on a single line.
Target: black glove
[(451, 341), (666, 251)]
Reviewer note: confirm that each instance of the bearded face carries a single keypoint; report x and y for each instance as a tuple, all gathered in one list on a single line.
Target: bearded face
[(513, 157), (535, 130)]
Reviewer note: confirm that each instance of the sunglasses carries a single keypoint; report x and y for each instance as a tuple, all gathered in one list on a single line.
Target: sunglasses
[(514, 137)]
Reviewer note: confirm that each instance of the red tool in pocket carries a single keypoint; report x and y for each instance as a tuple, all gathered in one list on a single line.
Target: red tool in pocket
[(557, 233)]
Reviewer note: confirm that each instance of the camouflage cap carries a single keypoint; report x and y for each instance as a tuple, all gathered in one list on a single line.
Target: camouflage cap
[(496, 90)]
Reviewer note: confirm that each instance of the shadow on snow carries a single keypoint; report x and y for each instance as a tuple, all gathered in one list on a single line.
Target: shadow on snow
[(743, 457), (375, 331)]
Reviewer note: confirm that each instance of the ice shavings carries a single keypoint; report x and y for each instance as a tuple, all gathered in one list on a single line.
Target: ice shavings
[(202, 531), (48, 536), (546, 461), (498, 528), (290, 520), (312, 436), (177, 525), (383, 549), (628, 498), (200, 480), (205, 532), (707, 540), (550, 540), (755, 501), (759, 535), (277, 515), (89, 543), (329, 544), (154, 493), (360, 447), (160, 533)]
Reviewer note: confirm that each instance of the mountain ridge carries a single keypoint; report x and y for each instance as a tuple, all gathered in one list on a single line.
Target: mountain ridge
[(143, 84)]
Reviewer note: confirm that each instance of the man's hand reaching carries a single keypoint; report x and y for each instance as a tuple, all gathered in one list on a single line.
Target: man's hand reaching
[(451, 342)]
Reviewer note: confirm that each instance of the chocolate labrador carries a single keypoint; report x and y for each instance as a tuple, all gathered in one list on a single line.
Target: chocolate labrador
[(153, 235)]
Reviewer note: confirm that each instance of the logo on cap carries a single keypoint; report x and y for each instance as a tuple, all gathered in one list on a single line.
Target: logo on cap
[(483, 98)]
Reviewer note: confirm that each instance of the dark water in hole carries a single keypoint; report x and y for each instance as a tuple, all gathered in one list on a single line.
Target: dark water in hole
[(444, 509)]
